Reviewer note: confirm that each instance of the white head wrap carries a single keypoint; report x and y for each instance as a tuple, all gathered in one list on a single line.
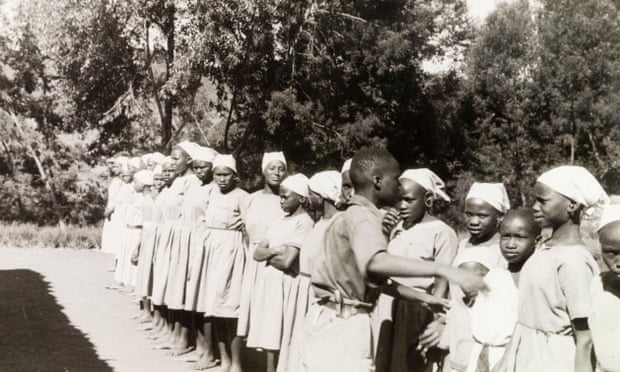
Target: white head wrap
[(297, 183), (481, 254), (145, 177), (145, 158), (156, 157), (575, 183), (428, 180), (136, 163), (327, 184), (268, 157), (158, 170), (167, 161), (346, 166), (492, 193), (610, 214), (188, 147), (203, 153), (121, 160), (225, 161)]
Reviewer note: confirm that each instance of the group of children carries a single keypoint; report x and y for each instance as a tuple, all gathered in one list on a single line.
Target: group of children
[(352, 271)]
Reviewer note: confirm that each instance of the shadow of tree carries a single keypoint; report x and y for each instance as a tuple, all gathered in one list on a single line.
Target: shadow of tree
[(35, 335)]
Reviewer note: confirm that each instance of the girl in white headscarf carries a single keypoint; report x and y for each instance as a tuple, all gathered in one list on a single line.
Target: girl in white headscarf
[(274, 299), (552, 332), (263, 207), (107, 234), (419, 235)]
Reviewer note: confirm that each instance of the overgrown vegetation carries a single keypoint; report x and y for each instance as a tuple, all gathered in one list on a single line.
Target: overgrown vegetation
[(28, 235)]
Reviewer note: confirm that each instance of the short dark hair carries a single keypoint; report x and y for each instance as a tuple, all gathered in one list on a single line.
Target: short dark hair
[(527, 215), (365, 161)]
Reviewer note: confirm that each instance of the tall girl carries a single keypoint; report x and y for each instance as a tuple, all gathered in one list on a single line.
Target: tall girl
[(276, 289), (171, 206), (223, 261), (422, 237), (186, 243), (485, 206), (107, 233), (552, 332), (263, 208)]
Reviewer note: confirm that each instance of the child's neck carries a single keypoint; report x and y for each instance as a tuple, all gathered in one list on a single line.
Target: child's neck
[(297, 211), (329, 210), (478, 241), (567, 233)]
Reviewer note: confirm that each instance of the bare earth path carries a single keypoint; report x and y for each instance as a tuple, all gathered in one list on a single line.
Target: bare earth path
[(77, 280)]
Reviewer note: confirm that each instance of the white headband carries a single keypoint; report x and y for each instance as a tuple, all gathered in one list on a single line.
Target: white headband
[(575, 183), (298, 183), (268, 157), (346, 166), (145, 177), (203, 153), (428, 180), (492, 193), (188, 147), (136, 163), (327, 184), (225, 161)]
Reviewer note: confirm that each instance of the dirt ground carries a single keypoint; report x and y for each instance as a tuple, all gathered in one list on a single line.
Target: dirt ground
[(60, 317)]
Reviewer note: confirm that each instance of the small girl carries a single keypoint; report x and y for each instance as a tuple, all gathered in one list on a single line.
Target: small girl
[(605, 292), (552, 332), (494, 313), (485, 205), (275, 293), (223, 261)]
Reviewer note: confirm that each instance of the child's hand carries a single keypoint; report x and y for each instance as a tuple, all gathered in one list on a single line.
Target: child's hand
[(468, 281), (237, 224), (431, 335), (390, 220)]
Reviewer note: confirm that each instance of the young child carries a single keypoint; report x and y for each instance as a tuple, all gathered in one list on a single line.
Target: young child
[(263, 208), (127, 198), (604, 317), (424, 237), (552, 332), (485, 205), (223, 261), (276, 291), (352, 264), (107, 233), (494, 313)]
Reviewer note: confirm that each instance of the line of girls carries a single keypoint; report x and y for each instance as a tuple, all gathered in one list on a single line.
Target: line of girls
[(534, 316)]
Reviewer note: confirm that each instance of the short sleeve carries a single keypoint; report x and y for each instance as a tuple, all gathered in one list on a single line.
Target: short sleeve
[(446, 245), (303, 226), (367, 239), (575, 275)]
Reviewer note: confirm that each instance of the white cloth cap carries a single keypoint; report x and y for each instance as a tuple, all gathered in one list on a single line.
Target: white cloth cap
[(145, 177), (223, 160), (136, 162), (158, 170), (297, 183), (268, 157), (575, 183), (610, 214), (346, 166), (156, 157), (327, 184), (492, 193), (428, 180), (167, 161), (121, 160), (484, 255), (203, 153), (188, 147)]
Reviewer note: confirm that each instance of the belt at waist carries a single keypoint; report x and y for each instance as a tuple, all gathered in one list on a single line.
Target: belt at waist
[(564, 333), (220, 228), (345, 307)]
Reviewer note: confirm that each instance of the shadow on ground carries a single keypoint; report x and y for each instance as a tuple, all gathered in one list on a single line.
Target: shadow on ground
[(35, 335)]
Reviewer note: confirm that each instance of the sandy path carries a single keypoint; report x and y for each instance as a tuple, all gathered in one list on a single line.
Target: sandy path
[(78, 279)]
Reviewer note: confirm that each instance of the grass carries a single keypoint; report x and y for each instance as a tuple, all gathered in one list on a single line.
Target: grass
[(25, 235)]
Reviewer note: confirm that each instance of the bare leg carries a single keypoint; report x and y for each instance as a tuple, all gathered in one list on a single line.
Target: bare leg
[(228, 343), (205, 340), (271, 360), (181, 344)]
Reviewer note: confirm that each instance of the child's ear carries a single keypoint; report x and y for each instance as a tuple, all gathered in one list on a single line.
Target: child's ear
[(429, 200), (377, 182)]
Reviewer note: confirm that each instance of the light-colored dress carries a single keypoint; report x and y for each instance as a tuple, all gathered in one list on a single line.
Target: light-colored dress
[(117, 219), (223, 256), (125, 272), (107, 233), (457, 333), (262, 209), (554, 287), (604, 323), (274, 297), (493, 318), (147, 247), (171, 204), (185, 244)]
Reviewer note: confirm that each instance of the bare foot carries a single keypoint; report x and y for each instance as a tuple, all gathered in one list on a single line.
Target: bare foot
[(179, 351), (146, 327), (191, 357), (204, 363)]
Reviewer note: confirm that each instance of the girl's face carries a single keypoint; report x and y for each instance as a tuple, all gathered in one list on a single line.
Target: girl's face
[(115, 169), (180, 160), (169, 174), (224, 178), (138, 186), (347, 186), (482, 220), (609, 237), (412, 205), (159, 182), (203, 170), (517, 240), (550, 208), (127, 177), (274, 173), (290, 201)]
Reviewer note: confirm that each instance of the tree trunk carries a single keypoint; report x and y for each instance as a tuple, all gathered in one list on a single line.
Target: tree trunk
[(166, 135)]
